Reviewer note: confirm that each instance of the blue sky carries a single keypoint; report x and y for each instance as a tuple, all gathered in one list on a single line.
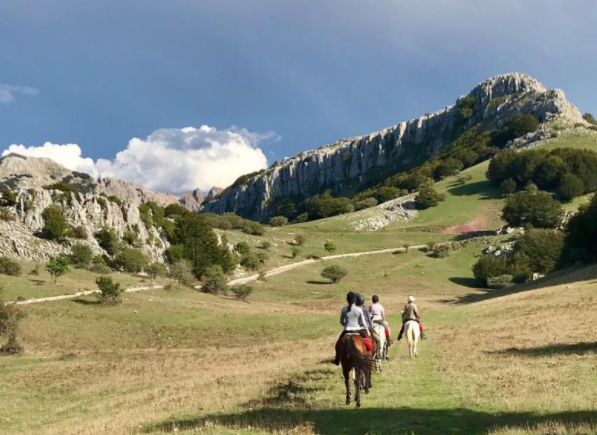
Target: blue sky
[(295, 74)]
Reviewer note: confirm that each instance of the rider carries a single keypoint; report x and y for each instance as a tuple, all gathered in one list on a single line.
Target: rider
[(354, 320), (411, 312), (378, 315)]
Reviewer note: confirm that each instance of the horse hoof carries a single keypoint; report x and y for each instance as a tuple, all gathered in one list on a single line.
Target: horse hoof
[(358, 405)]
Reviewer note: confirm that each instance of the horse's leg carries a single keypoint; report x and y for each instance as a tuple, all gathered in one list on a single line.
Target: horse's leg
[(357, 387), (346, 372)]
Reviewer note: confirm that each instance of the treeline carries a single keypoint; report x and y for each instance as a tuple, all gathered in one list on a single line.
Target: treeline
[(468, 147), (567, 172)]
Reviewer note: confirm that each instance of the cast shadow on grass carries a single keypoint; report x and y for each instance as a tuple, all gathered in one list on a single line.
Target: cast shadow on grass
[(319, 282), (82, 301), (551, 350), (482, 188), (351, 421)]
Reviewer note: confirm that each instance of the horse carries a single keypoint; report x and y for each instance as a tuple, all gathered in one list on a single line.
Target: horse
[(382, 346), (354, 356), (412, 330)]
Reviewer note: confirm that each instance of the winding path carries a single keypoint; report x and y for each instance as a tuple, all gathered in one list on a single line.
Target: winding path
[(273, 272)]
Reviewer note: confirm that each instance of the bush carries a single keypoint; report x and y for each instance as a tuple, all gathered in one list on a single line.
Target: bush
[(365, 203), (81, 255), (440, 251), (508, 187), (295, 252), (130, 237), (447, 168), (55, 224), (385, 193), (131, 260), (334, 273), (325, 205), (58, 266), (570, 187), (109, 290), (10, 317), (300, 240), (590, 118), (543, 248), (9, 197), (490, 267), (182, 272), (498, 282), (156, 270), (215, 282), (265, 245), (80, 232), (581, 241), (516, 127), (242, 291), (174, 210), (278, 221), (428, 197), (100, 268), (7, 215), (242, 248), (252, 261), (538, 209), (8, 266), (108, 240), (330, 247), (253, 228)]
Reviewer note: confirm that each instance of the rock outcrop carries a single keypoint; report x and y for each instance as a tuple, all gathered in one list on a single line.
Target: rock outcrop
[(349, 163), (192, 200)]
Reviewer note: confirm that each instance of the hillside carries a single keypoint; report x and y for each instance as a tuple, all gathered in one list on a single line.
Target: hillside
[(352, 164)]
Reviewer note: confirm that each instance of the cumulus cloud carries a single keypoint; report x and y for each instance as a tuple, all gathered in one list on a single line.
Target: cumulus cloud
[(68, 155), (8, 92), (169, 160)]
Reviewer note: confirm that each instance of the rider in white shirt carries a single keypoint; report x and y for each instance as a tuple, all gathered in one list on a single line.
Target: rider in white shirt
[(352, 318), (378, 315)]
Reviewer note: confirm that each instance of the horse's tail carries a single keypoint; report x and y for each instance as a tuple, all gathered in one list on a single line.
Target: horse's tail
[(358, 360)]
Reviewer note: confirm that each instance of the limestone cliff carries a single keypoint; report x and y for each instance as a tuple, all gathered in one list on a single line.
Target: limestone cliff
[(350, 163)]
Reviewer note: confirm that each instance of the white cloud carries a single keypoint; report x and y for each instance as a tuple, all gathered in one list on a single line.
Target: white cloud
[(68, 155), (169, 160), (8, 92)]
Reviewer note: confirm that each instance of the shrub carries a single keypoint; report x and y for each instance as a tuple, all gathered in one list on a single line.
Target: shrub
[(109, 290), (448, 167), (174, 210), (131, 237), (242, 248), (35, 270), (508, 187), (265, 245), (543, 248), (295, 252), (428, 197), (590, 118), (365, 203), (131, 260), (55, 224), (334, 273), (300, 240), (498, 282), (242, 291), (81, 255), (252, 261), (253, 228), (330, 247), (175, 253), (8, 266), (7, 215), (278, 221), (10, 317), (156, 270), (440, 251), (108, 240), (385, 193), (516, 127), (581, 241), (182, 272), (490, 267), (215, 281), (570, 187), (58, 266), (325, 205), (538, 209), (9, 197), (80, 232), (100, 268)]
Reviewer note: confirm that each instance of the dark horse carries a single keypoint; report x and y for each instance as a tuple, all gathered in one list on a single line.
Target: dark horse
[(355, 356)]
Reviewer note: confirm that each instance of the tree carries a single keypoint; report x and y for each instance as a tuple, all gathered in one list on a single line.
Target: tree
[(131, 260), (428, 197), (10, 267), (570, 187), (325, 205), (581, 241), (55, 224), (590, 118), (156, 270), (508, 186), (543, 248), (58, 266), (538, 209), (10, 317), (182, 271), (386, 193), (365, 203), (330, 247), (490, 267), (81, 255), (108, 240), (215, 281), (241, 291), (109, 290), (448, 167), (334, 273), (278, 221), (242, 248), (252, 261), (516, 127)]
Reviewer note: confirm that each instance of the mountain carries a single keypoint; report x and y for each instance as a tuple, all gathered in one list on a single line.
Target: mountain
[(351, 164), (21, 172)]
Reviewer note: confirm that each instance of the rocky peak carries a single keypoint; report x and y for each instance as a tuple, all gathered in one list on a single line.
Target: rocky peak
[(192, 200)]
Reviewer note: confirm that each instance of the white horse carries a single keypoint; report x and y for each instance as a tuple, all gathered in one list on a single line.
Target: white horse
[(382, 349), (413, 335)]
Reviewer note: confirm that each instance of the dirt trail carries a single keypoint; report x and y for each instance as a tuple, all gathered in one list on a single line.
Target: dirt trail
[(273, 272)]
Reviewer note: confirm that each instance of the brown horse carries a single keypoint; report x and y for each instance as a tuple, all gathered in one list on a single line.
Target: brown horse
[(355, 356)]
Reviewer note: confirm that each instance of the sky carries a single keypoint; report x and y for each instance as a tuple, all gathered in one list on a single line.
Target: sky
[(178, 94)]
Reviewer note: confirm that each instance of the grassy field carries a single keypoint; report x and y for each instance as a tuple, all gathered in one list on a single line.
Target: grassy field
[(515, 362)]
